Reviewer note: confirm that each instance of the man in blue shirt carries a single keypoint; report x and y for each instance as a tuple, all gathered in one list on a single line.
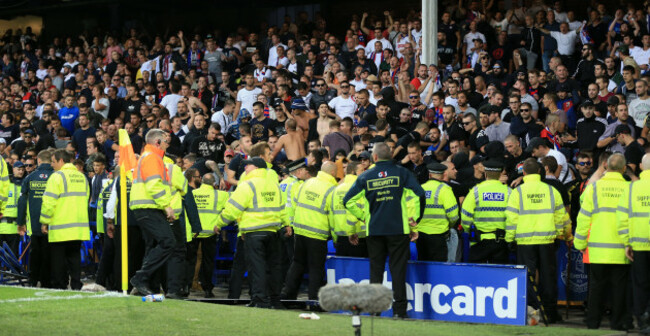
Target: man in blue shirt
[(68, 114)]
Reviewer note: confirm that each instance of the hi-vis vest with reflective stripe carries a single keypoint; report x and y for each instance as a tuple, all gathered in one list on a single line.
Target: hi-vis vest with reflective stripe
[(289, 188), (345, 224), (257, 205), (209, 202), (4, 184), (485, 207), (535, 213), (597, 230), (633, 214), (441, 209), (65, 205), (8, 221), (313, 203), (150, 189), (178, 186), (101, 204)]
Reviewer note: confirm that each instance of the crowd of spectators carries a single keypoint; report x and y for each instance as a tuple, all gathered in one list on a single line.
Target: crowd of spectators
[(503, 77)]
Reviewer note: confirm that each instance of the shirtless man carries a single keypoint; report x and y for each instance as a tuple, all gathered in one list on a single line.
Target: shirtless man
[(301, 116), (292, 142)]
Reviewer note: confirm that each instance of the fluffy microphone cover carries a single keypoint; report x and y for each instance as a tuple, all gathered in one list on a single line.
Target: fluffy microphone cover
[(368, 298)]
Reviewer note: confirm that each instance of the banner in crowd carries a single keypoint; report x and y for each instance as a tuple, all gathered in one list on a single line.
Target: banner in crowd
[(473, 293), (577, 289)]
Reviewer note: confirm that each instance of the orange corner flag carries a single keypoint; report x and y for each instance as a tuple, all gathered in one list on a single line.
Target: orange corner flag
[(127, 156)]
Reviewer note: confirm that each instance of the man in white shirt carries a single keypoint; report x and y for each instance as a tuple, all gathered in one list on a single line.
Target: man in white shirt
[(273, 51), (639, 107), (538, 148), (343, 105), (642, 55), (248, 95), (379, 37), (170, 101), (566, 39), (224, 117), (402, 40)]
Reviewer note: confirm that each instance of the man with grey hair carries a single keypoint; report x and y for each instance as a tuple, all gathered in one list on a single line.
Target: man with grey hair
[(151, 204), (632, 213), (597, 235), (393, 204)]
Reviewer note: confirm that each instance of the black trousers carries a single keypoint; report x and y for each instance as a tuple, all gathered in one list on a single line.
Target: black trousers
[(39, 261), (176, 265), (489, 251), (135, 253), (208, 246), (608, 282), (641, 282), (309, 254), (13, 240), (286, 252), (345, 249), (238, 270), (105, 275), (541, 258), (157, 231), (263, 260), (396, 248), (65, 261), (432, 247)]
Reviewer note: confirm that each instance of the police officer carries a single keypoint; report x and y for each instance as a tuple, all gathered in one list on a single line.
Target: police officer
[(350, 232), (8, 227), (384, 190), (29, 206), (209, 202), (176, 264), (632, 213), (440, 212), (4, 184), (113, 217), (289, 186), (258, 206), (484, 217), (535, 217), (105, 268), (311, 224), (151, 203), (596, 235), (64, 219)]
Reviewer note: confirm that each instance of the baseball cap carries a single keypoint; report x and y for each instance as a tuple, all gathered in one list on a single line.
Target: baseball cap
[(29, 131), (364, 155), (613, 100), (534, 143), (622, 129), (3, 141), (298, 104), (372, 78), (19, 164), (476, 160), (587, 103), (362, 123), (229, 152)]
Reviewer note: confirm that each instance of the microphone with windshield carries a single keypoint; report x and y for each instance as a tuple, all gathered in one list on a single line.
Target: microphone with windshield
[(357, 298)]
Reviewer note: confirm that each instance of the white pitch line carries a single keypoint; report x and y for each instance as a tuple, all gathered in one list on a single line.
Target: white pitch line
[(72, 297)]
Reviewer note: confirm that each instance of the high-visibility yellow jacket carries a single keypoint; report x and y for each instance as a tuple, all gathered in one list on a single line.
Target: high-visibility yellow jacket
[(4, 184), (313, 202), (178, 186), (65, 202), (289, 188), (8, 221), (345, 223), (633, 214), (209, 202), (597, 231), (485, 207), (440, 210), (535, 214), (256, 205), (150, 188)]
